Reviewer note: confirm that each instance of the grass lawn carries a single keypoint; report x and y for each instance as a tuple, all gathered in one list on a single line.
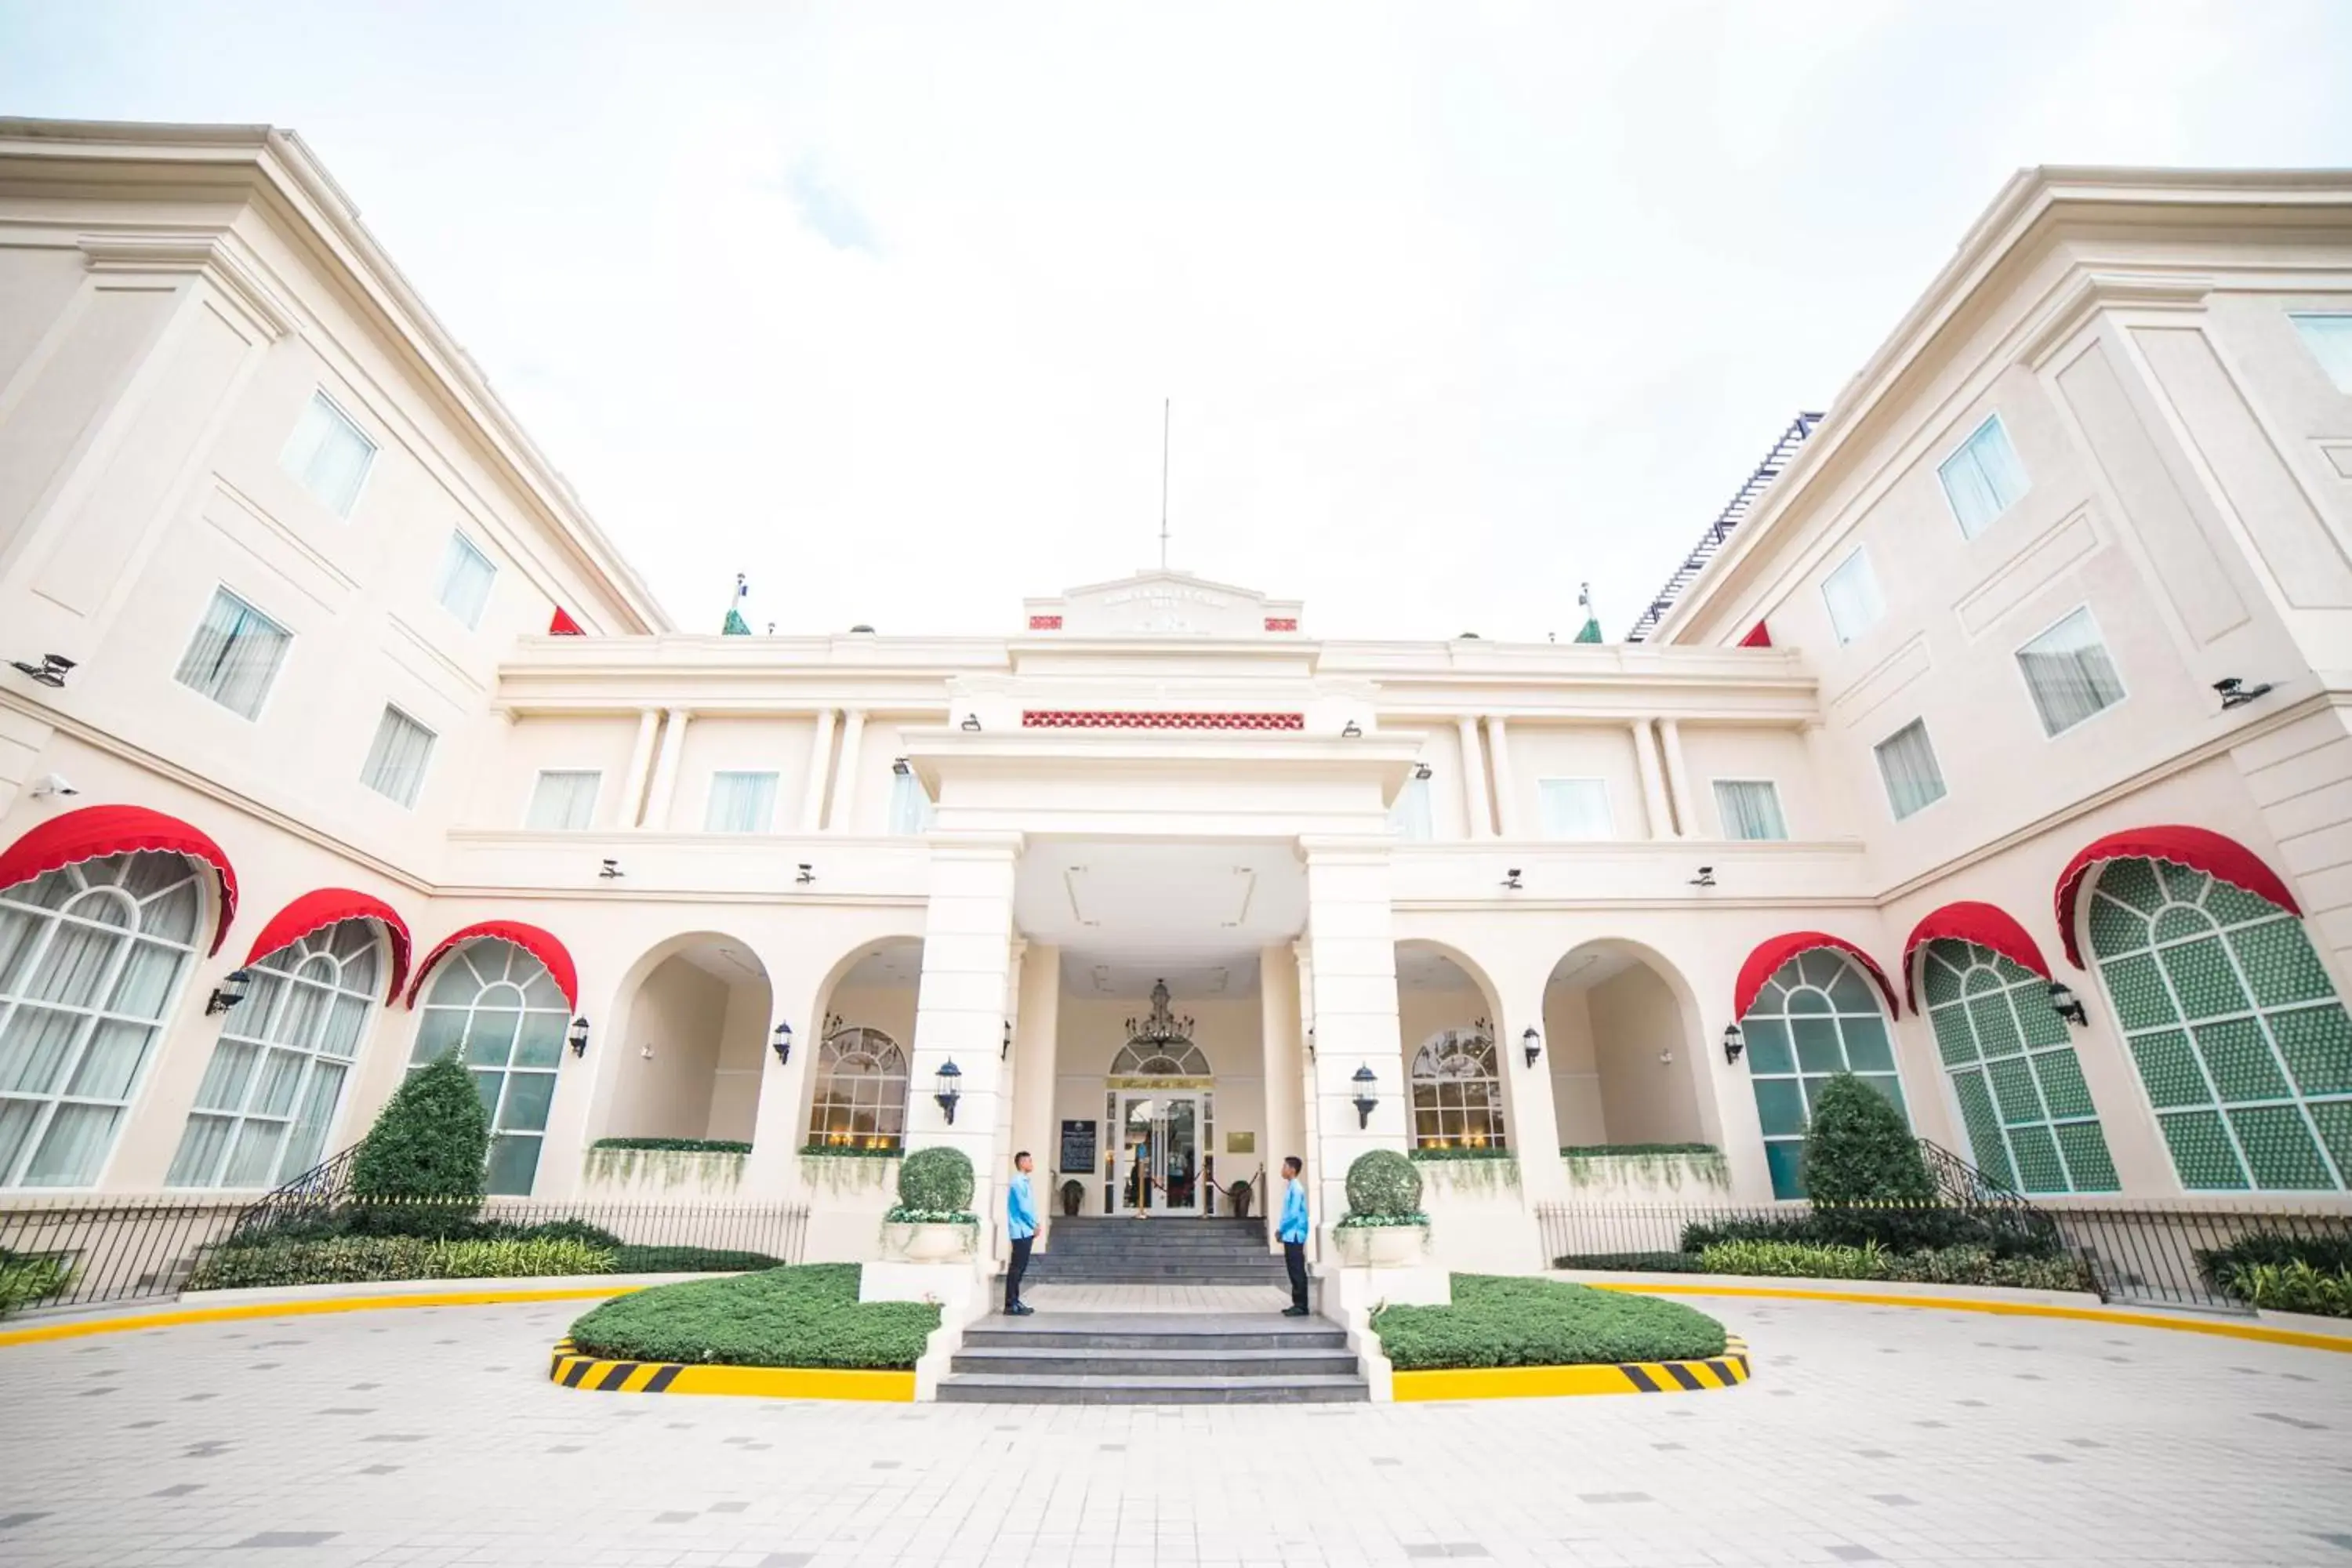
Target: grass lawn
[(807, 1316), (1504, 1320)]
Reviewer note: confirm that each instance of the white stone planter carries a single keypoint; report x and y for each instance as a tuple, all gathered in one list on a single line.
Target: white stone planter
[(930, 1243), (1382, 1245)]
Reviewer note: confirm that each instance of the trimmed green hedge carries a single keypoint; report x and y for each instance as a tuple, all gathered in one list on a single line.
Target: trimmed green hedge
[(690, 1260), (1463, 1152), (849, 1152), (2233, 1270), (1934, 1266), (1633, 1262), (1896, 1227), (25, 1280), (676, 1145), (1500, 1320), (344, 1258), (803, 1317)]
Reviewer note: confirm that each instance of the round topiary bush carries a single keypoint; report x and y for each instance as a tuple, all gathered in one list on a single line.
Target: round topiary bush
[(1383, 1184), (429, 1144), (936, 1181), (1859, 1150)]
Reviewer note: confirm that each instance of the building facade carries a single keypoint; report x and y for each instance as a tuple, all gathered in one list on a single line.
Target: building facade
[(334, 736)]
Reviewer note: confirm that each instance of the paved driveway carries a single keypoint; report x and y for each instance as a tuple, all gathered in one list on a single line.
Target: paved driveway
[(1870, 1435)]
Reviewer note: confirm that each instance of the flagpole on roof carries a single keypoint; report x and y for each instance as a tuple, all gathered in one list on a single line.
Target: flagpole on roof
[(734, 625), (1591, 631)]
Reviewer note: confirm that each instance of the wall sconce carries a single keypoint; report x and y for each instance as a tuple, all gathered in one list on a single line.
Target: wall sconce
[(1423, 772), (2235, 693), (229, 992), (1734, 1042), (610, 871), (947, 1090), (807, 874), (578, 1037), (1007, 1051), (2066, 1005), (782, 1041), (972, 721), (1534, 1043), (901, 767), (54, 668), (1310, 1042), (1366, 1101), (1511, 878), (1705, 877), (1352, 731)]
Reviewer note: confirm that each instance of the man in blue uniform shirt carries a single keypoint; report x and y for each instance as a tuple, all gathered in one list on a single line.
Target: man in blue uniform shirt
[(1021, 1225), (1292, 1234)]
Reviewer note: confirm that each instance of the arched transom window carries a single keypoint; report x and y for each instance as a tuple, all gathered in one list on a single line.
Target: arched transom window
[(2245, 1051), (1140, 1059), (1819, 1016), (2010, 1060), (499, 1009), (860, 1098), (90, 959), (1457, 1092), (276, 1077)]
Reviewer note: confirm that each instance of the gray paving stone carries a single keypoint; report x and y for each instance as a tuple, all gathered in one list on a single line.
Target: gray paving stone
[(290, 1538)]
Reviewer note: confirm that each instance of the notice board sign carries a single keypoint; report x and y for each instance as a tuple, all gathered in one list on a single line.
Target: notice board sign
[(1078, 1149)]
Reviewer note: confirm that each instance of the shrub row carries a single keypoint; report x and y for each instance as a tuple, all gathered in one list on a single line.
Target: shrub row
[(2296, 1287), (427, 1221), (1935, 1265), (1633, 1262), (802, 1317), (1894, 1227), (24, 1280), (1496, 1320), (343, 1258)]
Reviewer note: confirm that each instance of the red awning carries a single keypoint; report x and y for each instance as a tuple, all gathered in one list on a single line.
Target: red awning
[(1986, 925), (317, 911), (2195, 847), (95, 831), (1767, 960), (1758, 636), (531, 939), (563, 626)]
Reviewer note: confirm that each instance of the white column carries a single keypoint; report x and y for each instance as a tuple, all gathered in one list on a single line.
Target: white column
[(641, 762), (968, 939), (1311, 1112), (845, 789), (1654, 789), (1670, 738), (1282, 1035), (1506, 787), (1354, 986), (1008, 1075), (1473, 778), (664, 785), (1035, 1026), (820, 769)]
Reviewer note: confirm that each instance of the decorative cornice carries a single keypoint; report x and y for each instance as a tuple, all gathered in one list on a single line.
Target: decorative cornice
[(207, 255), (2095, 291), (1106, 719)]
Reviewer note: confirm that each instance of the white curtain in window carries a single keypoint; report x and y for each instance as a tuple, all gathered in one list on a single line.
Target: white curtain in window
[(466, 576), (1983, 478), (1907, 761), (1851, 593), (1409, 814), (1575, 808), (2069, 672), (910, 809), (741, 802), (328, 454), (2329, 338), (1750, 808), (396, 762), (563, 800), (234, 654)]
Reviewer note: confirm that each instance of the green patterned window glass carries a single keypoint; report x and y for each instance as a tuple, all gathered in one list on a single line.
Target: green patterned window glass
[(1820, 1016), (2240, 1039), (2012, 1069)]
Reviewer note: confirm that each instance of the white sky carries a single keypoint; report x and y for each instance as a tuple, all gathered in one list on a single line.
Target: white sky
[(1458, 304)]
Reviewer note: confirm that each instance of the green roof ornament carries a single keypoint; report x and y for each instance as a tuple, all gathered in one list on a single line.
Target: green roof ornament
[(735, 626), (1592, 631)]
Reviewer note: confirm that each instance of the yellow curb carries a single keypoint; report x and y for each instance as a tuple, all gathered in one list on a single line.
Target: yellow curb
[(574, 1371), (2339, 1343), (79, 1327), (1725, 1371)]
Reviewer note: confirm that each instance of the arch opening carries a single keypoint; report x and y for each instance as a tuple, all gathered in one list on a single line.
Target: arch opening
[(693, 1042), (1620, 1034)]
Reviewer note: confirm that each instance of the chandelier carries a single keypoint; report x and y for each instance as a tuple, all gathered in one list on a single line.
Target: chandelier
[(1161, 1028)]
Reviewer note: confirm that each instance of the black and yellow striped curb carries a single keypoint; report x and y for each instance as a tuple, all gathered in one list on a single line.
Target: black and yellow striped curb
[(572, 1370), (1725, 1371)]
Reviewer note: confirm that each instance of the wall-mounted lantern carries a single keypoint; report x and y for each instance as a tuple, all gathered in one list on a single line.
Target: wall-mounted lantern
[(1423, 772), (947, 1088), (1534, 1043), (579, 1037), (1734, 1042), (1367, 1101), (782, 1041), (1310, 1042), (229, 992), (1007, 1048), (2066, 1005), (54, 666)]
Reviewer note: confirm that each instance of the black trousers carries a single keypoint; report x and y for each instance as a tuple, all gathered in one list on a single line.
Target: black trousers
[(1294, 1258), (1016, 1269)]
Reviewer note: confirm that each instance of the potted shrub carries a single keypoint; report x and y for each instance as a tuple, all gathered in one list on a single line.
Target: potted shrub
[(932, 1221), (1074, 1198), (1240, 1195), (1384, 1227)]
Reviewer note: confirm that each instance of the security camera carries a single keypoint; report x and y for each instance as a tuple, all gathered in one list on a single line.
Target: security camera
[(53, 784)]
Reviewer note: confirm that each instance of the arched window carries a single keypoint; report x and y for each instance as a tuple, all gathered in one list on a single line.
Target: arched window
[(90, 958), (1179, 1059), (500, 1009), (860, 1098), (2028, 1112), (1457, 1092), (1819, 1016), (2244, 1049), (276, 1077)]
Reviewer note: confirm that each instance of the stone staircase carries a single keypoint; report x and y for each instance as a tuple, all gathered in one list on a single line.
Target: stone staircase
[(1148, 1358), (1176, 1250)]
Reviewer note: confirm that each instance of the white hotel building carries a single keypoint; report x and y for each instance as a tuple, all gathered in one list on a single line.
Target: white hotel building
[(1946, 714)]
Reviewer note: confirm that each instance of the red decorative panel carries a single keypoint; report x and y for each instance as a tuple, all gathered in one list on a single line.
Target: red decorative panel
[(1282, 622), (1071, 719), (1044, 623)]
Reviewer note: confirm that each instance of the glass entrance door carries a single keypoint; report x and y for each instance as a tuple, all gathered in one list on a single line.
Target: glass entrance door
[(1160, 1153)]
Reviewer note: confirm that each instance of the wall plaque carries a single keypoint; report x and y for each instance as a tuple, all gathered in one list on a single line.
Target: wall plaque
[(1078, 1149)]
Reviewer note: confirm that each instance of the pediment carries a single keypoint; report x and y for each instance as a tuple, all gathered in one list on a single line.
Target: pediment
[(1162, 604)]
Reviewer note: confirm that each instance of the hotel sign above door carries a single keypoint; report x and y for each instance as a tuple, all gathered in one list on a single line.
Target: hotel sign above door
[(1160, 1083)]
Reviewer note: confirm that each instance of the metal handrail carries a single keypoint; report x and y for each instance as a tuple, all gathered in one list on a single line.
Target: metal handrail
[(313, 1192)]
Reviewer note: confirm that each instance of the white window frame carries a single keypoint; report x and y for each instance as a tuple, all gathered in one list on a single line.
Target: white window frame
[(2017, 663), (2342, 381), (1967, 449), (367, 470), (1780, 808), (459, 540), (1608, 808), (269, 693), (1877, 594), (424, 770), (1885, 785), (517, 970), (595, 799)]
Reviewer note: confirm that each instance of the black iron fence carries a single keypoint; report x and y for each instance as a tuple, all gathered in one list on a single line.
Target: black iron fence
[(2183, 1257), (127, 1249)]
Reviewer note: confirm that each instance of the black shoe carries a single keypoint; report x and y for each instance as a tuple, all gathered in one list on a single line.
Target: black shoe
[(1018, 1310), (1295, 1312)]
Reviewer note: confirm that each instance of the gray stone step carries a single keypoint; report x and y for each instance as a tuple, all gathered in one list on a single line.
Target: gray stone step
[(1040, 1360), (1157, 1331), (993, 1388)]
